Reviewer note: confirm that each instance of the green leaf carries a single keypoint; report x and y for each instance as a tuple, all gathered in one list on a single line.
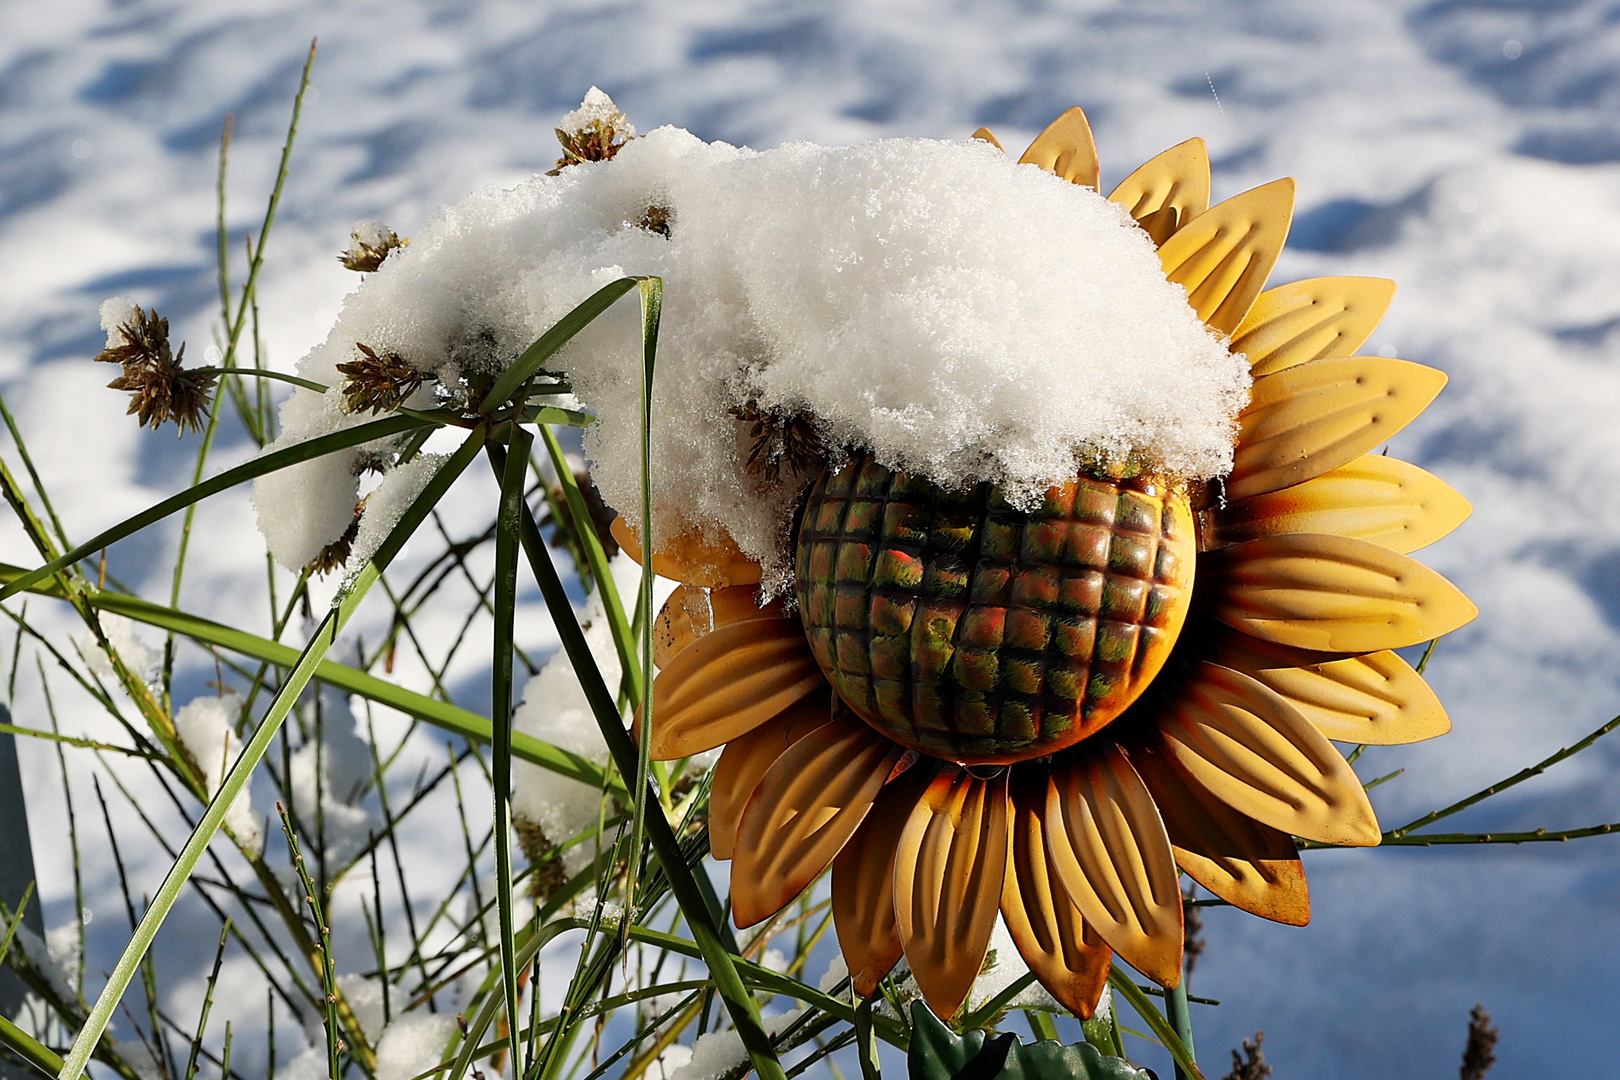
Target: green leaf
[(937, 1053), (714, 940)]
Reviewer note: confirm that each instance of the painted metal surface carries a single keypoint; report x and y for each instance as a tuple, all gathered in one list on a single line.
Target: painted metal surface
[(975, 632), (1303, 586)]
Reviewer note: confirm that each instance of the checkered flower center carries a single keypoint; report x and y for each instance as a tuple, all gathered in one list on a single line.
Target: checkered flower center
[(966, 629)]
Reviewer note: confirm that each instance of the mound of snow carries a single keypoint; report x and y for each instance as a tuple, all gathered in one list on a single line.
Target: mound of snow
[(957, 314)]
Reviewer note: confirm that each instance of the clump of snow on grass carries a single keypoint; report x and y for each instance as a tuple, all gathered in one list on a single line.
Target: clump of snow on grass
[(387, 504), (671, 1062), (308, 1064), (718, 1052), (555, 710), (369, 233), (140, 658), (306, 506), (206, 729), (365, 998), (50, 963), (837, 971), (65, 943), (959, 315), (597, 108), (1004, 965), (412, 1044)]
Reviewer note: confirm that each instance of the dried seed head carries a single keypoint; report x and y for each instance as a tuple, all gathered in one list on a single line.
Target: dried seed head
[(595, 131), (1192, 929), (160, 387), (1480, 1052), (335, 554), (1255, 1068), (657, 219), (369, 244), (546, 858), (561, 530), (781, 438), (378, 383)]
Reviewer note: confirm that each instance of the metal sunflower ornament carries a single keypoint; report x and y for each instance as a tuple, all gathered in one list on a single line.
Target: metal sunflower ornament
[(969, 707)]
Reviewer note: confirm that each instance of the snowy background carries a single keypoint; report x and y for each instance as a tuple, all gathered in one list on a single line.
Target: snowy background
[(1471, 151)]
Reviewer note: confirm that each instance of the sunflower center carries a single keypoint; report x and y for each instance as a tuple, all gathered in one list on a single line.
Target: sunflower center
[(966, 629)]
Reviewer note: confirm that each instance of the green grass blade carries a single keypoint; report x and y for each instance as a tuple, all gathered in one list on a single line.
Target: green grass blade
[(207, 1005), (1180, 1016), (596, 558), (469, 725), (762, 978), (1126, 988), (30, 1049), (867, 1052), (652, 305), (268, 463), (241, 771), (704, 920), (526, 365), (507, 544)]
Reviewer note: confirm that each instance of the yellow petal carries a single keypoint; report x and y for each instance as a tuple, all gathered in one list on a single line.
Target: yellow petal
[(1314, 319), (1245, 863), (1066, 148), (747, 759), (730, 682), (1380, 499), (1257, 754), (1168, 190), (863, 882), (692, 612), (709, 557), (1065, 954), (806, 808), (1108, 846), (1306, 420), (1330, 593), (984, 134), (1373, 698), (1223, 256), (948, 871)]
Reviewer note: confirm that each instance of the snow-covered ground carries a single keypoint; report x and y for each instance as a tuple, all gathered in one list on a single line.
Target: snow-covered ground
[(1471, 151)]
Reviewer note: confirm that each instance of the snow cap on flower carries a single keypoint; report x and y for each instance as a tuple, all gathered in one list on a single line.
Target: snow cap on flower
[(960, 316)]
